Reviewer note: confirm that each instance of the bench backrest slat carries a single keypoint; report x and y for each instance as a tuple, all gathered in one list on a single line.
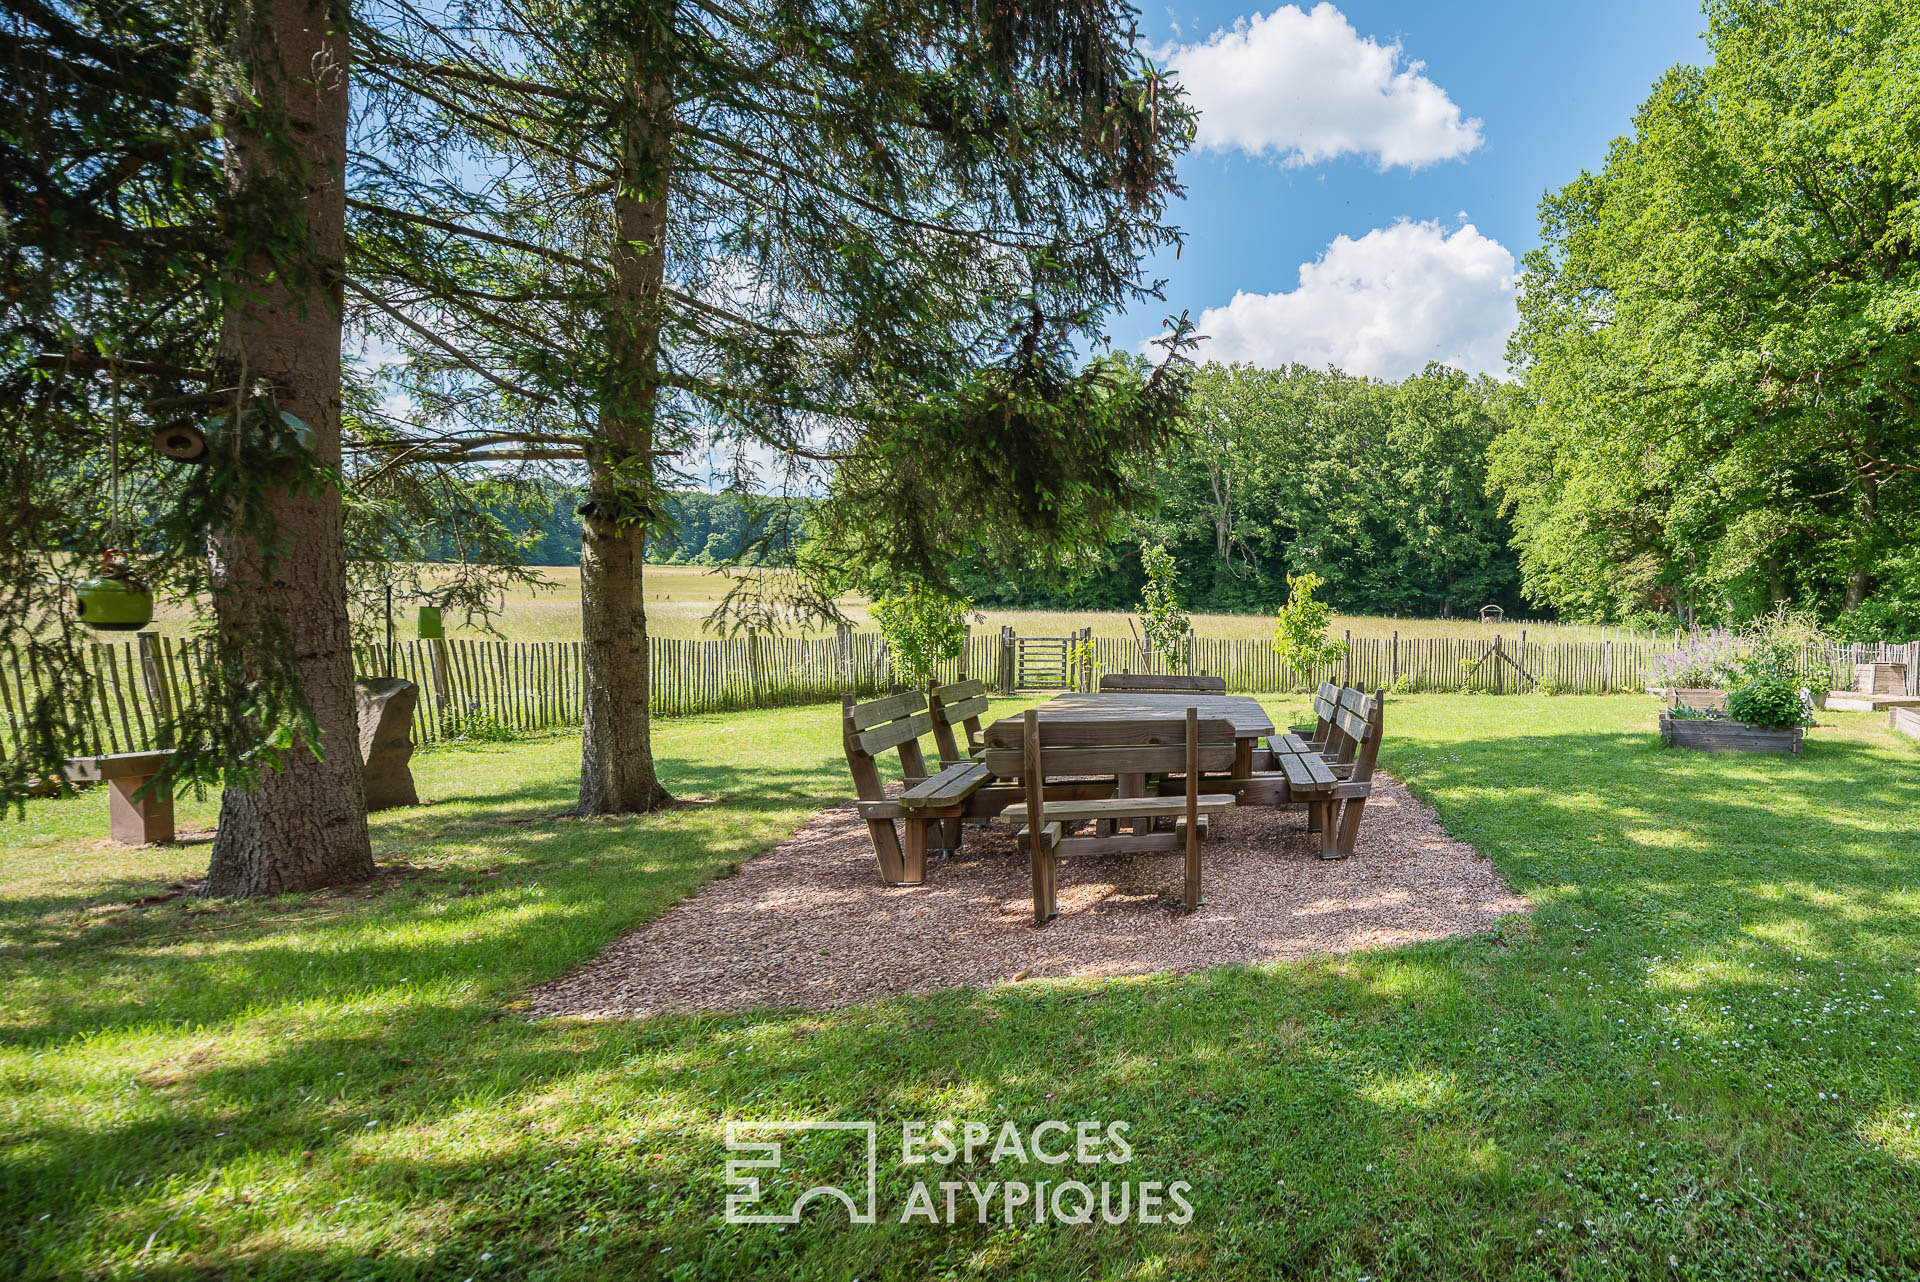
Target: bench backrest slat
[(890, 708), (895, 733), (1119, 732), (1172, 683), (1369, 750), (1068, 748), (866, 729), (959, 704)]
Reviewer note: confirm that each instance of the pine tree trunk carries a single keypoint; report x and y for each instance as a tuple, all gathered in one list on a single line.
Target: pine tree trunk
[(303, 826), (617, 773)]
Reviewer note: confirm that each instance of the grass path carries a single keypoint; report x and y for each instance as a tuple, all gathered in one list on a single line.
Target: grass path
[(1700, 1056)]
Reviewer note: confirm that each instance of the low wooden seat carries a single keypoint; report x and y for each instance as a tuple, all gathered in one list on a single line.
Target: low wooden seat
[(1067, 750), (930, 802), (139, 812)]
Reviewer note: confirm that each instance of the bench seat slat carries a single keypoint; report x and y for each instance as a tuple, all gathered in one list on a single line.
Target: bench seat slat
[(1306, 771), (955, 783), (1121, 808)]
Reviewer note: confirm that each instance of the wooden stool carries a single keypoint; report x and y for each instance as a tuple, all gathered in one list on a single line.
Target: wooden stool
[(135, 820)]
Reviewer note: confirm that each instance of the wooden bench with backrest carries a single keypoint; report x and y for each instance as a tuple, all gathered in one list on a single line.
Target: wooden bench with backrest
[(1149, 682), (1068, 749), (1333, 777), (956, 711), (1325, 701), (931, 800), (958, 707)]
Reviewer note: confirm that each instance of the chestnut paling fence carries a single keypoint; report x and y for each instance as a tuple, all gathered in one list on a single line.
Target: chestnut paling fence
[(471, 686)]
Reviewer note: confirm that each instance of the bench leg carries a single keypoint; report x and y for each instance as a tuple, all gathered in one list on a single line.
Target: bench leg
[(1350, 826), (1133, 786), (1193, 867), (950, 836), (886, 851), (138, 821), (1315, 822), (1044, 865), (915, 871), (1330, 830)]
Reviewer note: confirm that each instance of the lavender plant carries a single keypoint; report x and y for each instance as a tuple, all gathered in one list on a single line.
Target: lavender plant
[(1705, 660)]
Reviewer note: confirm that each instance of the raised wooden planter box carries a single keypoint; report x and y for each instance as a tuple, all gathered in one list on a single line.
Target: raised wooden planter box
[(1703, 699), (1905, 720), (1727, 736)]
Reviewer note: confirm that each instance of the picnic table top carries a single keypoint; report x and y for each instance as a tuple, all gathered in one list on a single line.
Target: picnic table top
[(1243, 712)]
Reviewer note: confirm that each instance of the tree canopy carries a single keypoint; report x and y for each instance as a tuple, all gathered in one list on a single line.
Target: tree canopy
[(1378, 488), (1720, 335)]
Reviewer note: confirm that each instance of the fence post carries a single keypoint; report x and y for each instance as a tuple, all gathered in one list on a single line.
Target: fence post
[(437, 659), (1346, 661), (1006, 680), (1606, 665), (1393, 661), (155, 679), (1086, 660)]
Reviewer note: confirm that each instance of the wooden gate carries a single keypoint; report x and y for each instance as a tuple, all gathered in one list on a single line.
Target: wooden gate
[(1042, 663)]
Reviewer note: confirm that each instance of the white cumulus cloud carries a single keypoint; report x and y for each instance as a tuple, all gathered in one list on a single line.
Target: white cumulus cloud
[(1304, 86), (1383, 305)]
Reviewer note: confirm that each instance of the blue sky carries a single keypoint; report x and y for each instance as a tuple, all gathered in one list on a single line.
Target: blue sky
[(1318, 125)]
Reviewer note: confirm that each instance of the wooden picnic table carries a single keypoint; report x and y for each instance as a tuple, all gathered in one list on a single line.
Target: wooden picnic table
[(1249, 720)]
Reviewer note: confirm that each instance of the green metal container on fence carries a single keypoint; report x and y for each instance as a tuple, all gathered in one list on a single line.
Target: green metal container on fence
[(431, 629)]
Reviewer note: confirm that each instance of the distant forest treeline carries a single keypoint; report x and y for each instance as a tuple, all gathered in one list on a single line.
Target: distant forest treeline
[(706, 529), (1380, 488)]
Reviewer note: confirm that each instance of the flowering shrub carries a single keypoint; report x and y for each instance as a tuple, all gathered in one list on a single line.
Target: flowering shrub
[(1704, 661)]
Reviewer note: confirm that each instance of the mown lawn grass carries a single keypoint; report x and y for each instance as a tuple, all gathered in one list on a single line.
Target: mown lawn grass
[(1699, 1056)]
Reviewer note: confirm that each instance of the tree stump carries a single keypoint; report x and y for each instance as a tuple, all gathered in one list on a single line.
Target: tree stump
[(385, 705)]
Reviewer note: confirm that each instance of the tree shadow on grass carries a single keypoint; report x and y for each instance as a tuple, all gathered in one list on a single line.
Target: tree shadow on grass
[(1332, 1115)]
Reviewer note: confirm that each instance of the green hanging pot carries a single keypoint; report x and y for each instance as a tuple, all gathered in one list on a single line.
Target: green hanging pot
[(287, 434), (114, 601), (431, 628), (296, 435)]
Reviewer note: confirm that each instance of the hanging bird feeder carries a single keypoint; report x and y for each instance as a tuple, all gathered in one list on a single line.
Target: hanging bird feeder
[(114, 600), (181, 442), (431, 628)]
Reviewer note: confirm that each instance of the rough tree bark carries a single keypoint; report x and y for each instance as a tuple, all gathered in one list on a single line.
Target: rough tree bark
[(617, 774), (304, 826)]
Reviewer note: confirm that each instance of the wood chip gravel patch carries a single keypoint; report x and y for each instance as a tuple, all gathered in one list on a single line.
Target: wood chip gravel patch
[(808, 924)]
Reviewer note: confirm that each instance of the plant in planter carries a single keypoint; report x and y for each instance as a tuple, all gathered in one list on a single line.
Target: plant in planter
[(1697, 672), (1767, 696), (1764, 711)]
